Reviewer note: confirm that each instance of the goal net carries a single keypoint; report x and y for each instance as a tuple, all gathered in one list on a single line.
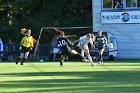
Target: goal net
[(44, 45)]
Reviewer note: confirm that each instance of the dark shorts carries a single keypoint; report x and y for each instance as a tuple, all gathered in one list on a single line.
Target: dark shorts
[(100, 47), (25, 49), (32, 51), (66, 51)]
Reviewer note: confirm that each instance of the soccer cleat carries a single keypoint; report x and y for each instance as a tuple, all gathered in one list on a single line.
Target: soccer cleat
[(100, 62), (85, 60), (93, 64), (21, 64), (61, 63), (16, 62)]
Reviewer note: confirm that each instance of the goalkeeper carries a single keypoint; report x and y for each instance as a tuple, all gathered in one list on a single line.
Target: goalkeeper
[(26, 45)]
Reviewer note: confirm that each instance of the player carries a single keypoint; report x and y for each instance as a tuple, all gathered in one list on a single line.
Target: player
[(26, 45), (63, 43), (56, 49), (83, 45), (101, 41)]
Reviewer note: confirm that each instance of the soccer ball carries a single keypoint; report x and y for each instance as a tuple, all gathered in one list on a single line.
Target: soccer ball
[(41, 60), (110, 46), (23, 31)]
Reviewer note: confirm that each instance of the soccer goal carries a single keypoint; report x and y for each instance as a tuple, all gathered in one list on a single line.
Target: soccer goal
[(44, 43)]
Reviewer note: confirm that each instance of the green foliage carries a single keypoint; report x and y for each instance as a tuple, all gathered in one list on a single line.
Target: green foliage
[(35, 14)]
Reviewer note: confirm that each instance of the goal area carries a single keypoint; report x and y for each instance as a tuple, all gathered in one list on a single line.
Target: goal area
[(44, 45)]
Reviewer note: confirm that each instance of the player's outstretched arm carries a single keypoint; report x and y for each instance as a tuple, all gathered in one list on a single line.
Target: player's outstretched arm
[(69, 42), (76, 41)]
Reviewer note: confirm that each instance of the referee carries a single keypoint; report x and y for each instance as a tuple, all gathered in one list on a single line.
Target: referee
[(26, 45)]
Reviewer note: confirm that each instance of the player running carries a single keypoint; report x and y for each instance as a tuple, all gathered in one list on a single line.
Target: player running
[(101, 42), (26, 45)]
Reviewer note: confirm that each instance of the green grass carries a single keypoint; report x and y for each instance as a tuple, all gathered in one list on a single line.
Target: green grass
[(75, 77)]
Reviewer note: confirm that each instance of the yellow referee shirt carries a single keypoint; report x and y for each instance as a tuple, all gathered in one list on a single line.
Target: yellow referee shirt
[(27, 41)]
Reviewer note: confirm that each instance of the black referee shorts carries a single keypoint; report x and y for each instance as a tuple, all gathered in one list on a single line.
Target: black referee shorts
[(25, 49)]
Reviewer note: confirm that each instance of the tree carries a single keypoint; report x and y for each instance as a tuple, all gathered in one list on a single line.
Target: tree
[(35, 14)]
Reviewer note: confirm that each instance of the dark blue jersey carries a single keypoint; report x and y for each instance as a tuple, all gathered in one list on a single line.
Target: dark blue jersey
[(63, 45), (55, 44), (62, 42), (101, 40)]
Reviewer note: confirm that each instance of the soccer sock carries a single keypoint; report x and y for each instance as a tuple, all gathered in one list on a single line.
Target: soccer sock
[(100, 57), (17, 60), (82, 53), (23, 60), (61, 62), (90, 59), (81, 57)]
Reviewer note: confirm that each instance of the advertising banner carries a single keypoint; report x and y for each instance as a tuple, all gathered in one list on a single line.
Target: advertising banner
[(120, 17)]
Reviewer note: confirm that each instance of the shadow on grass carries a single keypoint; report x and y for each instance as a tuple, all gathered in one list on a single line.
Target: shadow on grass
[(66, 82)]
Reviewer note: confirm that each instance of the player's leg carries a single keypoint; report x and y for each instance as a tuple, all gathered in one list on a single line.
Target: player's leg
[(54, 56), (25, 57), (20, 57), (55, 51), (82, 49), (71, 51), (22, 49), (64, 52), (76, 53), (100, 51), (88, 55), (83, 52), (62, 60)]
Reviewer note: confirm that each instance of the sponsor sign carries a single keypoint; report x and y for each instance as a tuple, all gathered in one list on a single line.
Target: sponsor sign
[(120, 17)]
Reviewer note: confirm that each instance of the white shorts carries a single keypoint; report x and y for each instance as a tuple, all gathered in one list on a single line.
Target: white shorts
[(55, 50), (83, 46), (79, 43)]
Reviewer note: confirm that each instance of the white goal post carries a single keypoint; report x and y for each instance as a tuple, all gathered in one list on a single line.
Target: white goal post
[(51, 28)]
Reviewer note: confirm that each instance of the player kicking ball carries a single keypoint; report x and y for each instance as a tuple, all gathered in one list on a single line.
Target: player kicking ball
[(63, 43), (83, 45)]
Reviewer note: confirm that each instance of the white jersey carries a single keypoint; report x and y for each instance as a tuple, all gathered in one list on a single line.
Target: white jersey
[(84, 40)]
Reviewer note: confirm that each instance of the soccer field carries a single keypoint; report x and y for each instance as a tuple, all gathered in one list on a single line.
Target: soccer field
[(75, 77)]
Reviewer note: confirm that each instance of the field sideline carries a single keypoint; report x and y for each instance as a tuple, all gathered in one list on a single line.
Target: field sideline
[(75, 77)]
